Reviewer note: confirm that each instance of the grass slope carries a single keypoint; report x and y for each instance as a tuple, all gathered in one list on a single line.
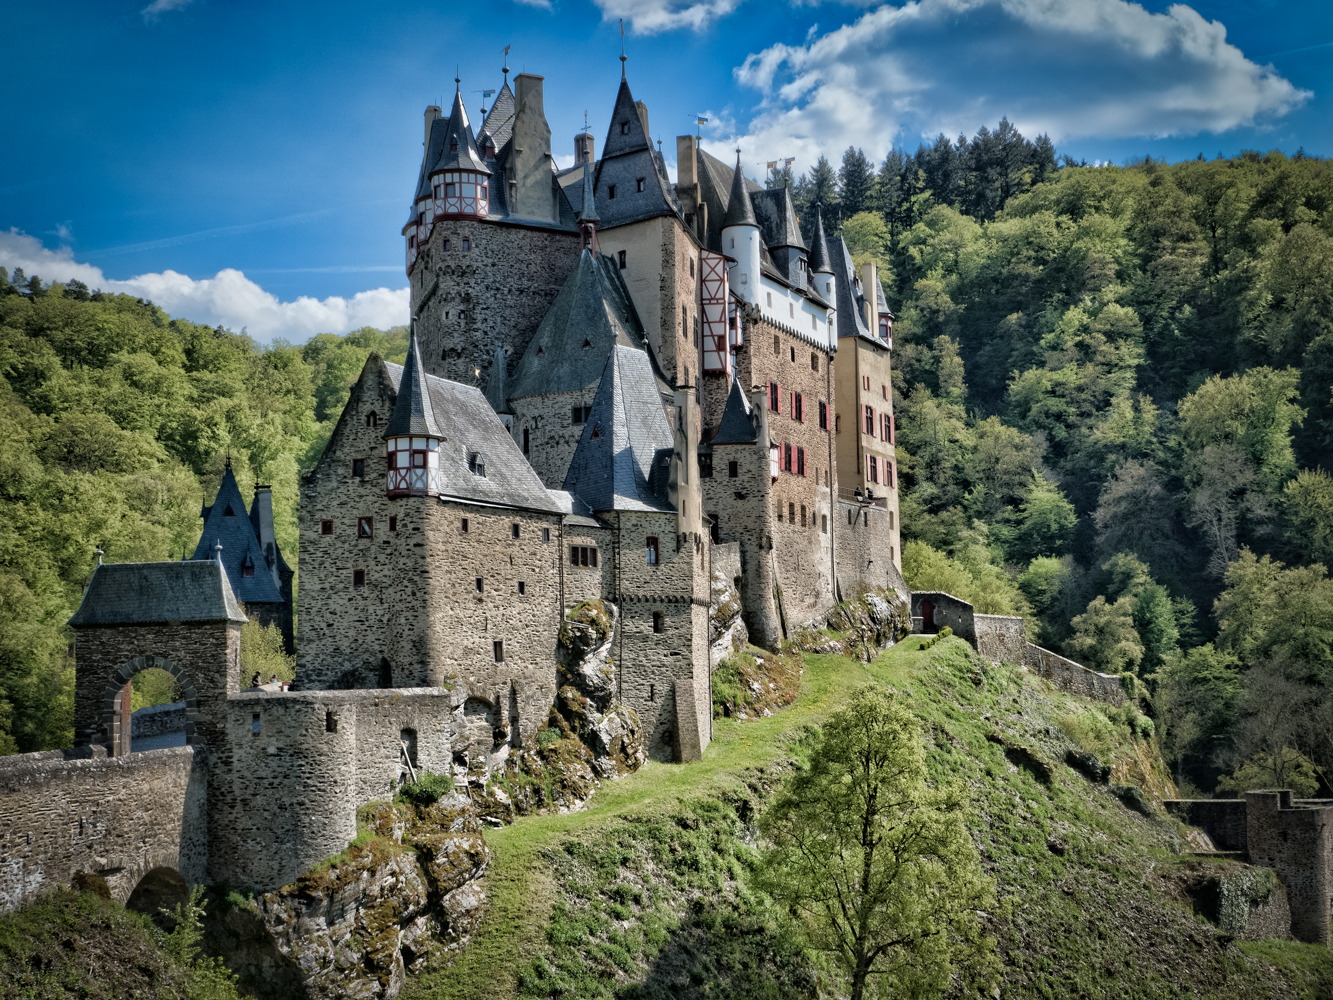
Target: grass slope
[(644, 893)]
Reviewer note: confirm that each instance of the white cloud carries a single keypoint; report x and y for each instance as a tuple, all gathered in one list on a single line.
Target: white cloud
[(648, 17), (228, 298), (159, 7), (1105, 68), (543, 4)]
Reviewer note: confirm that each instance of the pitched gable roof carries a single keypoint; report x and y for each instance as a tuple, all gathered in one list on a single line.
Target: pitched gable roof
[(851, 303), (624, 439), (776, 214), (628, 158), (592, 309), (499, 123), (228, 522), (470, 429), (139, 593)]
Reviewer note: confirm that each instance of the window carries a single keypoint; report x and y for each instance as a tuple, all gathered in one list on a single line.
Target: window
[(791, 313), (467, 247), (888, 476), (611, 191), (476, 464), (657, 622), (884, 391), (814, 321), (546, 534), (691, 267), (823, 523), (463, 529), (870, 421), (620, 257), (874, 469), (522, 588), (513, 531), (624, 128), (798, 406), (732, 470), (365, 527), (652, 691), (446, 247), (248, 567), (358, 578), (791, 512), (865, 380), (393, 523), (793, 354), (525, 440), (652, 550), (583, 555), (498, 648), (814, 361), (706, 465), (823, 415), (479, 585), (777, 346), (802, 515), (638, 184), (774, 398), (787, 457), (770, 294), (800, 465), (890, 520), (326, 527), (254, 724), (465, 193), (696, 331), (372, 419), (837, 423), (579, 414), (229, 512), (330, 722)]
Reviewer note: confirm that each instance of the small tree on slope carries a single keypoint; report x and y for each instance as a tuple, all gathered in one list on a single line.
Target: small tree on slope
[(875, 864)]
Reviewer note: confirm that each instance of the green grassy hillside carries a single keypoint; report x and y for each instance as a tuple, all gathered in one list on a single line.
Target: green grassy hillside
[(644, 894)]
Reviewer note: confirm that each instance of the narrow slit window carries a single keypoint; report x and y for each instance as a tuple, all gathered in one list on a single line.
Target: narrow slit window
[(365, 527), (359, 468), (546, 534), (498, 648), (254, 724), (652, 550), (393, 522), (522, 588), (513, 531), (733, 470), (358, 578), (657, 622), (464, 528), (330, 722), (479, 585)]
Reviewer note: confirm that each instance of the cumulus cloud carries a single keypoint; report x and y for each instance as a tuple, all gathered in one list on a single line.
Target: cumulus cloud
[(228, 298), (1106, 68), (648, 17), (159, 7)]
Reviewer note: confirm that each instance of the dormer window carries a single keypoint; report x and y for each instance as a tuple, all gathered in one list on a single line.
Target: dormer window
[(229, 512), (248, 567), (638, 184), (624, 128), (476, 464), (453, 147)]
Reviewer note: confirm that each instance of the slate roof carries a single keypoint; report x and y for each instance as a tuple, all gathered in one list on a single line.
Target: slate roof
[(740, 212), (881, 303), (576, 511), (587, 199), (228, 521), (820, 259), (469, 427), (613, 466), (412, 410), (499, 124), (735, 427), (458, 132), (625, 159), (140, 593), (594, 307), (851, 303), (776, 214), (715, 183)]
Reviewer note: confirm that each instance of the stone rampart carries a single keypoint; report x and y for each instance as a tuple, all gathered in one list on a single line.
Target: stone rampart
[(1222, 819), (120, 817), (865, 546), (158, 720), (1073, 677), (1000, 638), (1297, 842), (933, 610)]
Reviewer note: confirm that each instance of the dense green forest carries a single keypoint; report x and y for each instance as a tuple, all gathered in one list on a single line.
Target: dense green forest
[(1114, 396), (115, 424)]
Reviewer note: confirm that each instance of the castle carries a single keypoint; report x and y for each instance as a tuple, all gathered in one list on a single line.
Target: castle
[(619, 388)]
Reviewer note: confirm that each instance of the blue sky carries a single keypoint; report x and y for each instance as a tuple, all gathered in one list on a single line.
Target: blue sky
[(251, 163)]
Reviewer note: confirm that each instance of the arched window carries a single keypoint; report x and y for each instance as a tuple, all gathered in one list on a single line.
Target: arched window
[(372, 419)]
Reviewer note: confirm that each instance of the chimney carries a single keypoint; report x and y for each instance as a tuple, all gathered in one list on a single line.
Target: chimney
[(686, 163), (583, 148), (528, 93), (531, 194), (643, 118), (870, 289), (432, 113), (684, 484), (261, 517)]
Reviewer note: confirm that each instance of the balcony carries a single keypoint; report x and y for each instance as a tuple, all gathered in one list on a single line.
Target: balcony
[(880, 500)]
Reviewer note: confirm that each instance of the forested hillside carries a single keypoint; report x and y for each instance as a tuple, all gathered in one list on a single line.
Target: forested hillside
[(115, 424), (1114, 399)]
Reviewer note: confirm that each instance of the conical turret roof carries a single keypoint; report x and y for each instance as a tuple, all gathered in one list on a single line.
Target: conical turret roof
[(735, 427), (228, 522), (588, 210), (458, 150), (820, 260), (739, 210), (412, 411)]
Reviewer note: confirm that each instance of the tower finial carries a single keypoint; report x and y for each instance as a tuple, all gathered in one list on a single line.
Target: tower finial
[(506, 66), (100, 553), (458, 76), (217, 548), (622, 48)]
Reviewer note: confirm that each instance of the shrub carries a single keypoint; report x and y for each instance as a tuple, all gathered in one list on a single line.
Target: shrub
[(426, 790)]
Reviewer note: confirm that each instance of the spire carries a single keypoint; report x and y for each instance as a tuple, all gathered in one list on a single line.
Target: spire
[(622, 48), (458, 151), (739, 210), (588, 211), (412, 412), (820, 261)]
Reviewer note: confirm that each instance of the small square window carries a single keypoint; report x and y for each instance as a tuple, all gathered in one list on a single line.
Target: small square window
[(326, 527), (657, 622), (546, 534), (365, 527), (498, 648), (513, 531), (393, 523), (522, 588), (479, 588), (463, 529), (359, 468), (610, 191), (358, 578)]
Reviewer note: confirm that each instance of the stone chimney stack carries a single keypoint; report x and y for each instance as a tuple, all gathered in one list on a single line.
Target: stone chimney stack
[(531, 194), (684, 485), (870, 289), (643, 117), (432, 113), (583, 148)]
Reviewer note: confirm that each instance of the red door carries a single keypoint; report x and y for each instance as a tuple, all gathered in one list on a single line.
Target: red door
[(928, 617)]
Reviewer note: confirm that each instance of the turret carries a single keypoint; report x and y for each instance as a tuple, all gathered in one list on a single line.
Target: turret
[(412, 438), (821, 262), (740, 239), (588, 217), (459, 178)]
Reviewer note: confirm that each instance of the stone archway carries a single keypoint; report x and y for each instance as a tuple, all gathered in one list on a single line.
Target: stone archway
[(159, 888), (121, 676)]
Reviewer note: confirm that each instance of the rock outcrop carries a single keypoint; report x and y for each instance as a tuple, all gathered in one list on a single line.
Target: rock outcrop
[(859, 628)]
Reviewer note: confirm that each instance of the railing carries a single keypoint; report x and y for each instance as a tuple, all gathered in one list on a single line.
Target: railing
[(849, 495)]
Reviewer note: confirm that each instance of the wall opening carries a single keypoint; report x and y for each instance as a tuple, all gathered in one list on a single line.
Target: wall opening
[(386, 673), (928, 617), (159, 889), (152, 680), (330, 722)]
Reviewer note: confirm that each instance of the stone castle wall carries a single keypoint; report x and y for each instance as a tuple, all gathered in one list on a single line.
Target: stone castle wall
[(553, 437), (1073, 677), (1297, 842), (867, 557), (119, 817), (497, 291), (1001, 639), (158, 720)]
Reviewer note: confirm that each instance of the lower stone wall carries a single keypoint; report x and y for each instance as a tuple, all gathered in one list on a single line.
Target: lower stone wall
[(158, 720), (120, 817), (1222, 819), (866, 556), (1073, 677), (1000, 638)]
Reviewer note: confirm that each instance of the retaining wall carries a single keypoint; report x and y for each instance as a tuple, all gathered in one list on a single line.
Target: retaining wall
[(1073, 677), (1000, 638)]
